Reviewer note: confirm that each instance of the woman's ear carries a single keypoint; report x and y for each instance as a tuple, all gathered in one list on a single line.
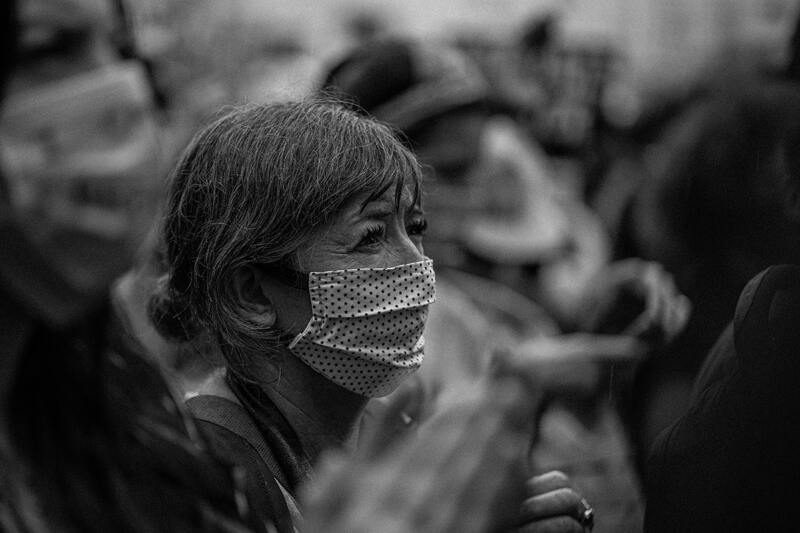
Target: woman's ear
[(255, 304)]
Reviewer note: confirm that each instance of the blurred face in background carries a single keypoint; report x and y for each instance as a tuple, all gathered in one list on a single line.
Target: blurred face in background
[(61, 38), (449, 149), (487, 192), (78, 136)]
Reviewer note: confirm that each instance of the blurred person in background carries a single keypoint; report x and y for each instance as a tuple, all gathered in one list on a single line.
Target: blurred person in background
[(716, 205), (185, 364), (293, 241), (699, 184), (729, 463), (501, 230), (92, 439), (80, 132), (84, 140)]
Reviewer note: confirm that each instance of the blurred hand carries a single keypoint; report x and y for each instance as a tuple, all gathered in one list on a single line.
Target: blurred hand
[(637, 298), (463, 471), (568, 364), (552, 506)]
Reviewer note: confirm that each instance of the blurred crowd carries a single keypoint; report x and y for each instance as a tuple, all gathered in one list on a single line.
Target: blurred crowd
[(217, 280)]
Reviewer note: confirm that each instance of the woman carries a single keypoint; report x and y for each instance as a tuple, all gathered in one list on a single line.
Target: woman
[(294, 238)]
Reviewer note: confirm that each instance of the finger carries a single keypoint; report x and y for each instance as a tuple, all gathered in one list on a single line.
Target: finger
[(668, 321), (671, 297), (664, 309), (564, 501), (610, 348), (558, 524), (657, 290), (581, 346), (568, 363), (679, 315), (571, 377), (549, 481), (650, 320)]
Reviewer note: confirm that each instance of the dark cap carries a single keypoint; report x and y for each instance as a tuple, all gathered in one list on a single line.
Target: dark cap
[(404, 82)]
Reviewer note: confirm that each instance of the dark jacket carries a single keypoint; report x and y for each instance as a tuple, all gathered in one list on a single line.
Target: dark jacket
[(731, 463), (254, 436)]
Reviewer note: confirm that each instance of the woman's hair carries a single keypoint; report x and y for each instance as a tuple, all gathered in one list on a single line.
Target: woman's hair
[(250, 189)]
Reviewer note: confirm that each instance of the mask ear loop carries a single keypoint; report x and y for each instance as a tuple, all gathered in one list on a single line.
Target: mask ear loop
[(287, 276), (290, 278)]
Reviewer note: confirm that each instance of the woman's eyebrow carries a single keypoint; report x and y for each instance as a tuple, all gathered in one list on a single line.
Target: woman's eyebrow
[(378, 196), (378, 209)]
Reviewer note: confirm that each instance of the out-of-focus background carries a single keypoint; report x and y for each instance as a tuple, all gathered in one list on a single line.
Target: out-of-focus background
[(213, 51), (611, 130)]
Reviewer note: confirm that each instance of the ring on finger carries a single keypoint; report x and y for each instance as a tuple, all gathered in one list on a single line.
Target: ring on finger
[(587, 516)]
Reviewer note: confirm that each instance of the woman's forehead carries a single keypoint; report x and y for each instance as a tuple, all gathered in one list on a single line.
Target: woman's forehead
[(364, 207), (399, 195)]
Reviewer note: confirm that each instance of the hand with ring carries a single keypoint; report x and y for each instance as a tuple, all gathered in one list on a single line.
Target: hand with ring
[(554, 506)]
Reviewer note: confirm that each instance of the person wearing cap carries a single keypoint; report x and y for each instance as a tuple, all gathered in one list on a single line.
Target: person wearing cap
[(494, 211)]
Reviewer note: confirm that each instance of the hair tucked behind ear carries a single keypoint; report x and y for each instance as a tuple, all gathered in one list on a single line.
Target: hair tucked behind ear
[(171, 314), (249, 189)]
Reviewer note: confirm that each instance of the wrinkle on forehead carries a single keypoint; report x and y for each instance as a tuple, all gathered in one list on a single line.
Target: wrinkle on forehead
[(401, 197), (402, 188), (336, 237)]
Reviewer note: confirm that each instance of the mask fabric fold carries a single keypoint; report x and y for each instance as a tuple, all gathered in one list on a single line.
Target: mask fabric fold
[(365, 333)]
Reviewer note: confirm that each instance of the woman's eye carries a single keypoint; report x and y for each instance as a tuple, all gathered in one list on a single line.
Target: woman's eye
[(417, 227), (372, 235)]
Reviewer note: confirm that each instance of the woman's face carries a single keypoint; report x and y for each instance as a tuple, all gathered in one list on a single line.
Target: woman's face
[(368, 233), (374, 233)]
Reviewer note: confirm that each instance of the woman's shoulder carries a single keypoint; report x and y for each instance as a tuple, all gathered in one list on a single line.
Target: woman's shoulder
[(231, 435)]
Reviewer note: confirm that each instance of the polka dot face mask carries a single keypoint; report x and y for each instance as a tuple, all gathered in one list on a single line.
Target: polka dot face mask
[(365, 332)]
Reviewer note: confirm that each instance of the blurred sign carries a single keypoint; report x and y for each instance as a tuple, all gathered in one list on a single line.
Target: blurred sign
[(574, 79)]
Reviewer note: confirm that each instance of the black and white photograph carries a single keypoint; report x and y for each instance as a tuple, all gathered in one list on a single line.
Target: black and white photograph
[(399, 266)]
